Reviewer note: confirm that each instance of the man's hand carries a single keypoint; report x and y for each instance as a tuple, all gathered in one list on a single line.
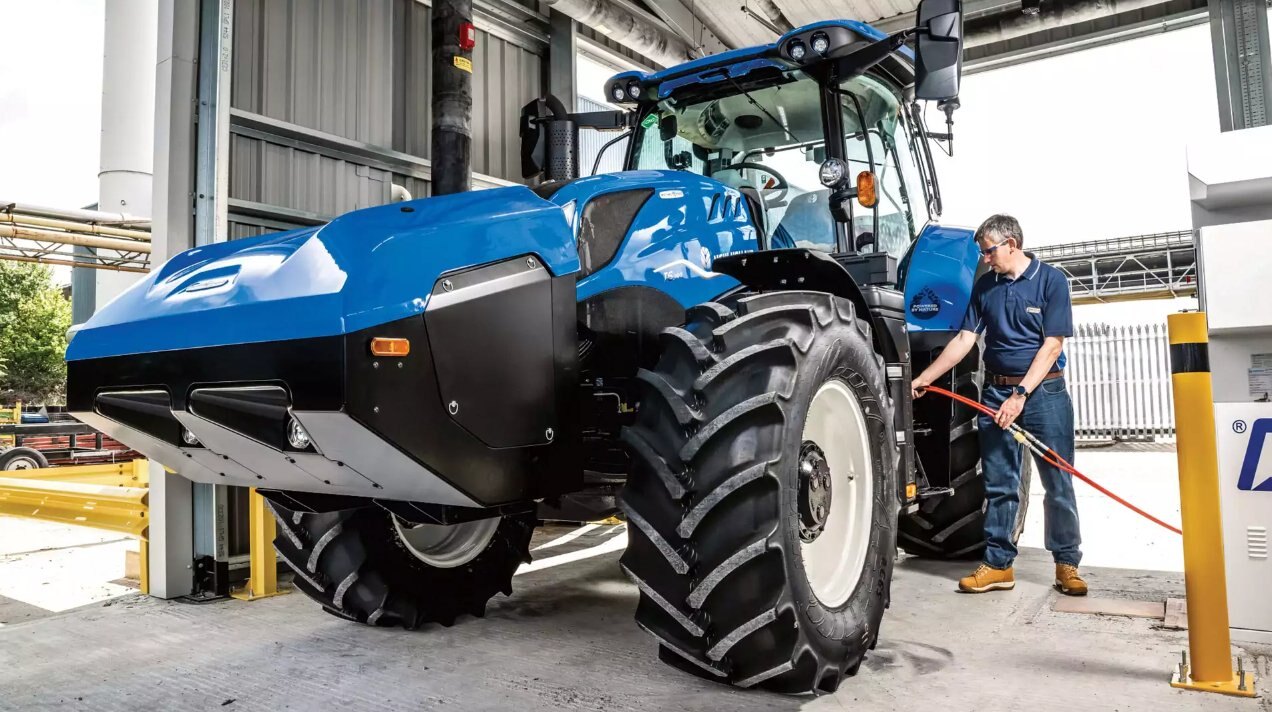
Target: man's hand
[(919, 386), (1009, 411)]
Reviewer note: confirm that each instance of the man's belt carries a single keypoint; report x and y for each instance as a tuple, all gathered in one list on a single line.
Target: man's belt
[(997, 380)]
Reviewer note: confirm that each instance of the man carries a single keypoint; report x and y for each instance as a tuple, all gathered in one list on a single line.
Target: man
[(1022, 307)]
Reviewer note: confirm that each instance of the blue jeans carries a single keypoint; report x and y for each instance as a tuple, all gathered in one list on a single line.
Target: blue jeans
[(1048, 414)]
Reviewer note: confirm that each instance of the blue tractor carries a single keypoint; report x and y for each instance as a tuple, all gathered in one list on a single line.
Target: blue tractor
[(714, 344)]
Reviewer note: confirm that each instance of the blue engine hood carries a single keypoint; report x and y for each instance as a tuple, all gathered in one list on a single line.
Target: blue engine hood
[(362, 269)]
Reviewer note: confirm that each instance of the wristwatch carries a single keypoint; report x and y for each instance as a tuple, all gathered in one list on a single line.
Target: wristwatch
[(1019, 390)]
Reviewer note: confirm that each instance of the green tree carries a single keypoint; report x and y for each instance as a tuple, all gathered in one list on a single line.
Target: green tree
[(34, 317)]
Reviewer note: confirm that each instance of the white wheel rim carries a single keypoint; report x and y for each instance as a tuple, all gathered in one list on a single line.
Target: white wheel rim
[(834, 560), (446, 546), (21, 463)]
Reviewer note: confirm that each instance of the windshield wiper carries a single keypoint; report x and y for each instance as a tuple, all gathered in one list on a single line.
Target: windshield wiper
[(725, 73)]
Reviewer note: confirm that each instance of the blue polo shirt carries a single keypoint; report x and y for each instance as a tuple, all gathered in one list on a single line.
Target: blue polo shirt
[(1015, 315)]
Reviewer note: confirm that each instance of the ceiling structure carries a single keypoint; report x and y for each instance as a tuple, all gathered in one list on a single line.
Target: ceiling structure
[(997, 32)]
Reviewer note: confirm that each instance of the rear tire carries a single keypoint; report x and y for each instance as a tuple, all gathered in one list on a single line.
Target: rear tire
[(722, 544), (953, 526), (359, 566)]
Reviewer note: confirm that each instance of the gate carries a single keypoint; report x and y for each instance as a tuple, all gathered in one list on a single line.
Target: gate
[(1119, 377)]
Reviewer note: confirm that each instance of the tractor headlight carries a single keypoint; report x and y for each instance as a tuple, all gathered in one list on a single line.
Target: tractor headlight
[(832, 172), (617, 92), (633, 90), (821, 43), (797, 50), (188, 437), (296, 435)]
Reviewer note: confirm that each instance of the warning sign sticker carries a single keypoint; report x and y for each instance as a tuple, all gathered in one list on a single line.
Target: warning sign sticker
[(464, 63)]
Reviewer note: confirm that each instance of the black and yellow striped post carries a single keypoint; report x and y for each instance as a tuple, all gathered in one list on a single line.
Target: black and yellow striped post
[(1208, 666)]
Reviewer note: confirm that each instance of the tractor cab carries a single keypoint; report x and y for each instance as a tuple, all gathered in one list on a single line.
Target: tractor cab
[(821, 131), (790, 142)]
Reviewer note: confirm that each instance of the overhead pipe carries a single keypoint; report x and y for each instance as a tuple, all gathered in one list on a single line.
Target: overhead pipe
[(97, 217), (68, 238), (399, 193), (776, 20), (1009, 25), (637, 33), (71, 226), (72, 263)]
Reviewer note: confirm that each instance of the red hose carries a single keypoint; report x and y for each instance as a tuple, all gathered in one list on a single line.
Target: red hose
[(1053, 457)]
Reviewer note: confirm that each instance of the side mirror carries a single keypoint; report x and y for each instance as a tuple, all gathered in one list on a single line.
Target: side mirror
[(938, 56), (667, 128)]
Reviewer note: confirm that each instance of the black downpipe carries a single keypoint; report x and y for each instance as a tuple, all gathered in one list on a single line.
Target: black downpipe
[(452, 99)]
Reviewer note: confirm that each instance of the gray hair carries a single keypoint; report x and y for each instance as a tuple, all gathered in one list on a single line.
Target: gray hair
[(1001, 227)]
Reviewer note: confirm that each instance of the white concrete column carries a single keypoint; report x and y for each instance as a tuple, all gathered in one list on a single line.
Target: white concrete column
[(128, 120)]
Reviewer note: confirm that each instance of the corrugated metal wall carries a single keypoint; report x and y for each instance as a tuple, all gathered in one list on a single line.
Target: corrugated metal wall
[(358, 73)]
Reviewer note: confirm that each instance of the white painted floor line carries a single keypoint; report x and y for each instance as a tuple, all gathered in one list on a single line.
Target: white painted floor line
[(617, 543), (568, 537), (620, 528)]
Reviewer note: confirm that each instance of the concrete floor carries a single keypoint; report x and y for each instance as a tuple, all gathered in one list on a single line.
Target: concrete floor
[(566, 639)]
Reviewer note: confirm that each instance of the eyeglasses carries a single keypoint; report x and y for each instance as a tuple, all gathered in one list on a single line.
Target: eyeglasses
[(989, 251)]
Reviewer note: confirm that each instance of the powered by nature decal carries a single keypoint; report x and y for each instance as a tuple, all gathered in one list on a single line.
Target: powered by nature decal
[(925, 304)]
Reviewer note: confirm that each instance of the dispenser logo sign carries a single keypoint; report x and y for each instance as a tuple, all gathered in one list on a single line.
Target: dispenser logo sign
[(1259, 431)]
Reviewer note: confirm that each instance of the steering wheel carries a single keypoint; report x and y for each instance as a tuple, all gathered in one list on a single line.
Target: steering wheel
[(780, 184)]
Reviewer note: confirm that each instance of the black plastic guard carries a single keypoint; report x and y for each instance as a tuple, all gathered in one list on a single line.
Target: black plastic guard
[(490, 330), (493, 368)]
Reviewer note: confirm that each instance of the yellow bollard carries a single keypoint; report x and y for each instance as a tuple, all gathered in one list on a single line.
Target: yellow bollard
[(262, 579), (1208, 665)]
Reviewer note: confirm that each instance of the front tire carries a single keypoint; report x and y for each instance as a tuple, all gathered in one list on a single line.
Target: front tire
[(744, 421), (366, 565)]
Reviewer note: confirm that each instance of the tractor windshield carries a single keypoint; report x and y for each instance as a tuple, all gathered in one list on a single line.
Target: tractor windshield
[(877, 137), (769, 141)]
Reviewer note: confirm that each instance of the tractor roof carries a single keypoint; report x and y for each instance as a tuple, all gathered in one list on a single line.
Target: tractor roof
[(845, 37)]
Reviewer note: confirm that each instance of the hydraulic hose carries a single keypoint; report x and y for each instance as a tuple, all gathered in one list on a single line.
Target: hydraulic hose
[(1045, 452)]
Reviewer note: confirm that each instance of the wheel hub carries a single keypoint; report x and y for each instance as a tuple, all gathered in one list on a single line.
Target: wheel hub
[(446, 546), (814, 491), (836, 444)]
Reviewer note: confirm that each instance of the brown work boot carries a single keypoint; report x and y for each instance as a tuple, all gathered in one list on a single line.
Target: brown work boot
[(1068, 581), (987, 578)]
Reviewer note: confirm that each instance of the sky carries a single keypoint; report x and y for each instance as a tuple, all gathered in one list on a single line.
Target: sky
[(1083, 146), (50, 101)]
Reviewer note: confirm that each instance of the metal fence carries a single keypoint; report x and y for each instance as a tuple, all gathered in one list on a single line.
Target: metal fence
[(1119, 377)]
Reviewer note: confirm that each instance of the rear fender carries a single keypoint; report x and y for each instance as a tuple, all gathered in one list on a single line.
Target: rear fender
[(800, 269), (937, 276)]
